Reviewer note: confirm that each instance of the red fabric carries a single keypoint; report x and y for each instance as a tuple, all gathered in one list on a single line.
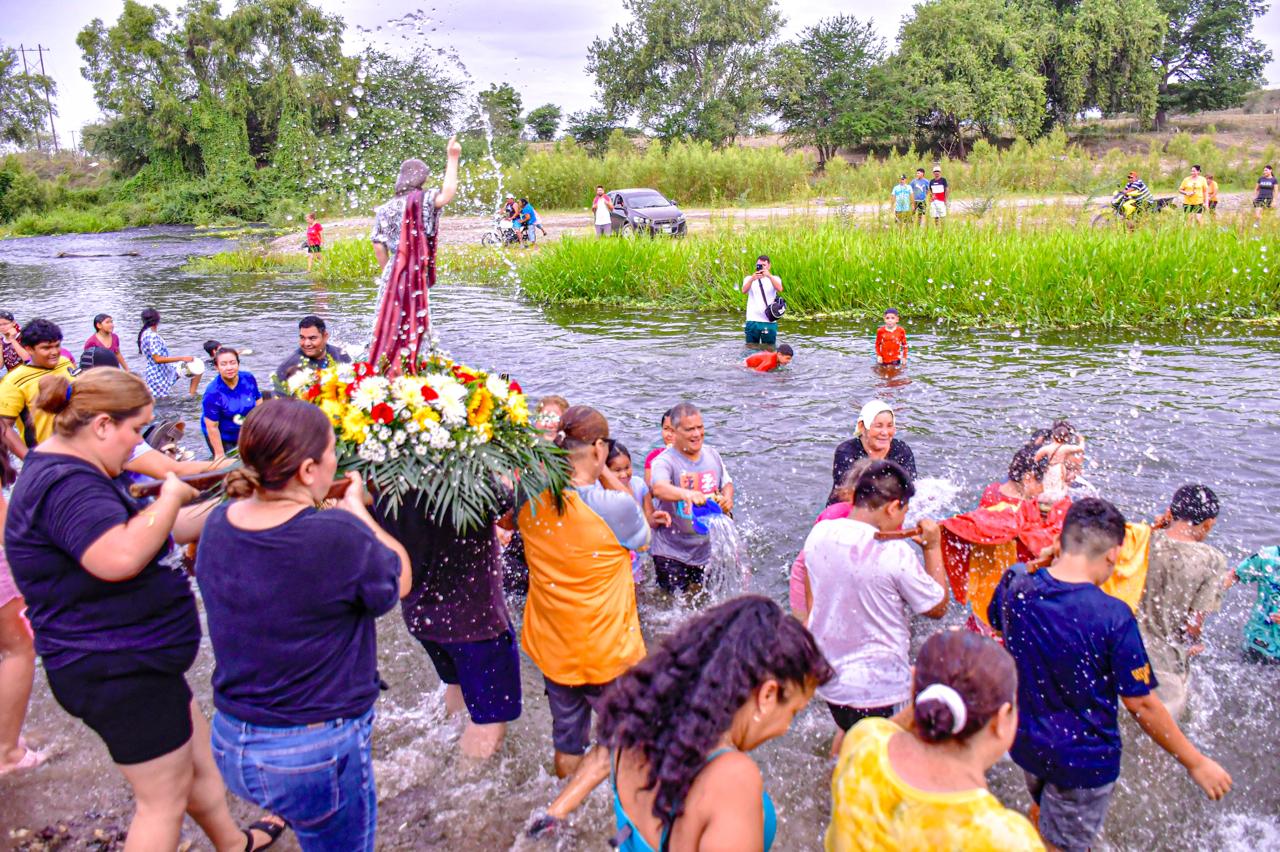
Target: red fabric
[(404, 317), (763, 362), (1020, 522), (313, 233), (891, 345)]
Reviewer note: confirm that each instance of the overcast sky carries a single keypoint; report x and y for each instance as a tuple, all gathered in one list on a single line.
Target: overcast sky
[(540, 47)]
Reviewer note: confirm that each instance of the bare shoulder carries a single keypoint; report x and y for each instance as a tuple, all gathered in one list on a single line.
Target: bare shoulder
[(730, 777)]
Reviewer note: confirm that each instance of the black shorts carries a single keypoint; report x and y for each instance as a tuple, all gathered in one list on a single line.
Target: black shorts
[(1213, 205), (847, 717), (138, 703), (1193, 208), (313, 249), (676, 576), (920, 207), (1262, 202), (487, 671), (571, 708)]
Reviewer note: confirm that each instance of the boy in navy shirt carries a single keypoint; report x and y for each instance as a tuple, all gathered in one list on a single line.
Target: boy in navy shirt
[(1077, 651)]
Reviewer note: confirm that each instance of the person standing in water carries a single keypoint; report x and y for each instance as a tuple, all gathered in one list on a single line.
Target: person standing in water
[(891, 341), (314, 351), (10, 344), (105, 337), (876, 428), (17, 658), (23, 424), (227, 401), (918, 781), (687, 474), (158, 372), (761, 288)]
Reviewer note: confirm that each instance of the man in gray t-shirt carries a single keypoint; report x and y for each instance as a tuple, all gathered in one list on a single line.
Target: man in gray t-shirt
[(686, 474)]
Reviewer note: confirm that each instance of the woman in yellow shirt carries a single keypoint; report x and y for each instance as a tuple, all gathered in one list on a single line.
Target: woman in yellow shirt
[(918, 782)]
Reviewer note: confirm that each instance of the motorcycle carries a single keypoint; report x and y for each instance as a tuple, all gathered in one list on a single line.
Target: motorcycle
[(503, 233)]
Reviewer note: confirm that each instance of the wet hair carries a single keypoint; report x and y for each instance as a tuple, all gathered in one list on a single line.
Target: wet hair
[(674, 705), (150, 319), (882, 483), (311, 321), (7, 315), (1039, 438), (666, 417), (553, 399), (1063, 432), (893, 311), (98, 356), (101, 390), (1024, 462), (1092, 527), (39, 331), (680, 411), (843, 492), (1194, 504), (581, 426), (977, 668), (211, 347), (99, 320), (617, 449), (277, 438), (785, 349), (226, 350)]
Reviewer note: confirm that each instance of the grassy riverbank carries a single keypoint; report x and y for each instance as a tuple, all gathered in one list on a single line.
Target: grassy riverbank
[(974, 272)]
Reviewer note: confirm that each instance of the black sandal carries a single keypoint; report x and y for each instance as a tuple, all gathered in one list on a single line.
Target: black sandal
[(272, 830)]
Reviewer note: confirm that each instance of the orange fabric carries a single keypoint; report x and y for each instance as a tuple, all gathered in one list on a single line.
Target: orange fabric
[(891, 345), (580, 620), (1129, 579), (763, 362)]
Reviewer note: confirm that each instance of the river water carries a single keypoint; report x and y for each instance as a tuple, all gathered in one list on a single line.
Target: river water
[(1160, 407)]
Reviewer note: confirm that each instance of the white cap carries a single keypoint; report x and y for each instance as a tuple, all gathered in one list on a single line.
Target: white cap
[(871, 411)]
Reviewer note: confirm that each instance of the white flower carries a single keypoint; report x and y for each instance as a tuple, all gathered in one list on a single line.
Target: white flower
[(407, 390), (497, 386), (346, 373), (371, 391), (300, 380)]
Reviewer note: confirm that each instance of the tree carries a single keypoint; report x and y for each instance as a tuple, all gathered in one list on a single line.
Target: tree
[(591, 129), (688, 68), (501, 106), (544, 122), (1208, 59), (824, 86), (971, 65), (22, 100)]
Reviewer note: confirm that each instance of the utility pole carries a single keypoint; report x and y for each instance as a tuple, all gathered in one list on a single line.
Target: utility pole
[(25, 73), (39, 50)]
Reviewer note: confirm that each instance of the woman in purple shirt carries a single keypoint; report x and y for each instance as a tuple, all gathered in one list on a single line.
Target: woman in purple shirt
[(104, 335)]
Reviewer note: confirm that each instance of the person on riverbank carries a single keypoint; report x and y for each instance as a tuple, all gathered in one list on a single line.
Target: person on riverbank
[(938, 189), (227, 401), (315, 239), (1263, 197), (681, 723), (23, 424), (388, 219), (761, 288), (874, 439), (1184, 585), (602, 208), (860, 594), (17, 658), (528, 222), (292, 595), (1262, 631), (458, 613), (1078, 650), (314, 351), (687, 474), (920, 196), (116, 629), (1193, 190), (581, 627), (104, 336), (891, 341), (918, 781), (11, 351), (158, 370), (1211, 195), (902, 201), (767, 362)]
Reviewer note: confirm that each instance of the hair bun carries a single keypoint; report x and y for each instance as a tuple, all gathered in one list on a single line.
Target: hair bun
[(242, 482), (55, 394)]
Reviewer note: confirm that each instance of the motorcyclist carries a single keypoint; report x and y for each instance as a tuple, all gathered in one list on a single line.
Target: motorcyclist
[(1134, 198)]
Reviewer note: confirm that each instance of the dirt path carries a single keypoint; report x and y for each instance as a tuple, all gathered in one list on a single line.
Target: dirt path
[(467, 230)]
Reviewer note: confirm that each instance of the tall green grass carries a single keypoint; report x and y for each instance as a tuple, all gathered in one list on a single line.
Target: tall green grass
[(973, 272)]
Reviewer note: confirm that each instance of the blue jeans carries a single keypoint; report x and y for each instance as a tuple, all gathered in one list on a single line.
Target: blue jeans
[(318, 777)]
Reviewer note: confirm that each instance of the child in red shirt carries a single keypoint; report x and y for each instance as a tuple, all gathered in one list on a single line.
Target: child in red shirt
[(764, 362), (313, 238), (891, 341)]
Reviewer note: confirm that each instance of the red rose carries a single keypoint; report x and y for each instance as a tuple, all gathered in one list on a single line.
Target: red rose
[(382, 413), (313, 392), (514, 387), (466, 378), (429, 394)]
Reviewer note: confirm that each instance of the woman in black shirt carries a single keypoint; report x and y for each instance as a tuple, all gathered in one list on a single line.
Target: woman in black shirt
[(875, 440)]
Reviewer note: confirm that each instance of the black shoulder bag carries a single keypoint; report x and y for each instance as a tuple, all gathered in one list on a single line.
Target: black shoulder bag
[(775, 309)]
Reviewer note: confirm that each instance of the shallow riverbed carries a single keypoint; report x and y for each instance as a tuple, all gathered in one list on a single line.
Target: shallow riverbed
[(1160, 408)]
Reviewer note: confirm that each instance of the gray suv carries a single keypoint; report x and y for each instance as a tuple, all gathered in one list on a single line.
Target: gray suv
[(646, 211)]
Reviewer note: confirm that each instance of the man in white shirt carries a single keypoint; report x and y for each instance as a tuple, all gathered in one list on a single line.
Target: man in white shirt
[(761, 289), (603, 208)]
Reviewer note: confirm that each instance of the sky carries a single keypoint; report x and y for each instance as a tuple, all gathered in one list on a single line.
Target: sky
[(540, 49)]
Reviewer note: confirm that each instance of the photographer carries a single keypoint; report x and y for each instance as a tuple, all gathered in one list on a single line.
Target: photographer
[(762, 289)]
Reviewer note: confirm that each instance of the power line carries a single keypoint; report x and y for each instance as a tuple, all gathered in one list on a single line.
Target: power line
[(39, 50)]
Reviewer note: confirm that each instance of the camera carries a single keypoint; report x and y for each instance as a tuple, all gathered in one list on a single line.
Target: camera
[(759, 266)]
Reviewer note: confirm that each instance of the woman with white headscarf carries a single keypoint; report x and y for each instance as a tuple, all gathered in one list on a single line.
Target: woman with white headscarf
[(875, 440)]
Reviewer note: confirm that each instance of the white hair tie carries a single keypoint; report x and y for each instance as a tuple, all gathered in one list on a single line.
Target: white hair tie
[(949, 697)]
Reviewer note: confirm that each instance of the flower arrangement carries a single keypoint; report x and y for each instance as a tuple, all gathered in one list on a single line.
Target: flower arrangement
[(444, 431)]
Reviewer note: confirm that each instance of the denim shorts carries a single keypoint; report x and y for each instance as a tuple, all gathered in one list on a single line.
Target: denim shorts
[(318, 777), (571, 708), (1070, 817), (761, 332), (487, 672)]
